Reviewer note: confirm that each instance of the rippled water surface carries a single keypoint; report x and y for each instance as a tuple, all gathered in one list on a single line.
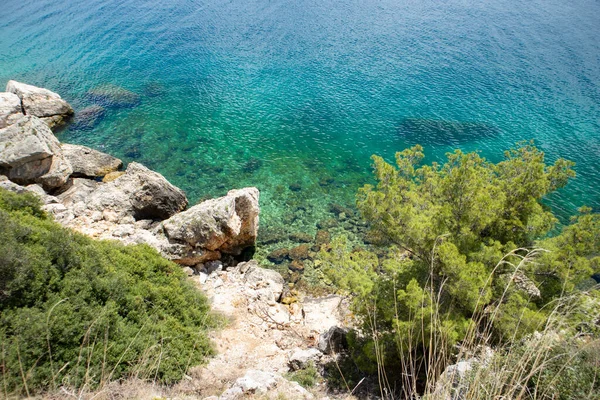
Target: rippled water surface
[(294, 96)]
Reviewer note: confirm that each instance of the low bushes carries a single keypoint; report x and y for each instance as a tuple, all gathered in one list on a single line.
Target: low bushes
[(79, 313)]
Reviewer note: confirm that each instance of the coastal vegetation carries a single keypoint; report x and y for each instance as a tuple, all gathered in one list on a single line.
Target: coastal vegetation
[(466, 262), (75, 312), (468, 286)]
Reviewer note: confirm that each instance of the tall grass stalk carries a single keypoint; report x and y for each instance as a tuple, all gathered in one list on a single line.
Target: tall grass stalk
[(507, 372)]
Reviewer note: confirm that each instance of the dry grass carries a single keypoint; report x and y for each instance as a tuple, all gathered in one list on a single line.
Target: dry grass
[(507, 372)]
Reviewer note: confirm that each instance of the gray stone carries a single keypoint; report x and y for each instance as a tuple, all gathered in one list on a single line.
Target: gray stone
[(257, 278), (256, 382), (141, 193), (10, 109), (244, 266), (203, 277), (232, 394), (35, 189), (333, 341), (123, 230), (213, 266), (186, 255), (30, 153), (78, 191), (324, 312), (188, 271), (301, 359), (41, 103), (228, 224), (88, 162)]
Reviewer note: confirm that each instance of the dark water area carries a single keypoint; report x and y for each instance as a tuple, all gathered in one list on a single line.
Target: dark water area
[(295, 96)]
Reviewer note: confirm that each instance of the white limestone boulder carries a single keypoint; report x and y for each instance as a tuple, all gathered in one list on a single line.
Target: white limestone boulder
[(30, 153), (10, 109), (228, 224), (41, 103), (87, 162)]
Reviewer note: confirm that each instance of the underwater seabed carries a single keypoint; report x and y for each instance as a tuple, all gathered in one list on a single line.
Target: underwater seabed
[(308, 181)]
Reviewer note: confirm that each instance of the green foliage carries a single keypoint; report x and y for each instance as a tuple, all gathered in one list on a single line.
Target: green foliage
[(307, 377), (80, 312), (448, 228)]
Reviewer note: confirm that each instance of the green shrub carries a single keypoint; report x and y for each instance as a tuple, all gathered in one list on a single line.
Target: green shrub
[(75, 312), (458, 262), (307, 377)]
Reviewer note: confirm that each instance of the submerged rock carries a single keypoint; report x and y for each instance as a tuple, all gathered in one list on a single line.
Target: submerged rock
[(10, 109), (89, 162), (228, 223), (327, 223), (297, 266), (295, 187), (89, 117), (30, 153), (299, 252), (301, 237), (442, 132), (322, 237), (278, 256), (41, 103), (154, 89), (252, 165), (113, 96), (326, 181)]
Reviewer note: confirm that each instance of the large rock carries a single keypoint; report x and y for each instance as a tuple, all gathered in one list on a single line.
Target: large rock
[(10, 109), (141, 193), (333, 341), (88, 162), (322, 313), (30, 153), (41, 103), (78, 191), (263, 279), (228, 224), (301, 359)]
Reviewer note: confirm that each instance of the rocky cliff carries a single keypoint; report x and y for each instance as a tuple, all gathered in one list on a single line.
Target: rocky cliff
[(86, 190)]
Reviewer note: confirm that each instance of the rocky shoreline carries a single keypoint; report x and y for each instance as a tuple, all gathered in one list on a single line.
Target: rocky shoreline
[(87, 190), (84, 189)]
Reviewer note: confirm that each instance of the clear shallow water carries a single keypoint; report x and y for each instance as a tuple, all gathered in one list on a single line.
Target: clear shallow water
[(274, 93)]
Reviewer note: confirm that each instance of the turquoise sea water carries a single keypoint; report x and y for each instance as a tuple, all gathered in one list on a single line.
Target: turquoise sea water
[(280, 93)]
